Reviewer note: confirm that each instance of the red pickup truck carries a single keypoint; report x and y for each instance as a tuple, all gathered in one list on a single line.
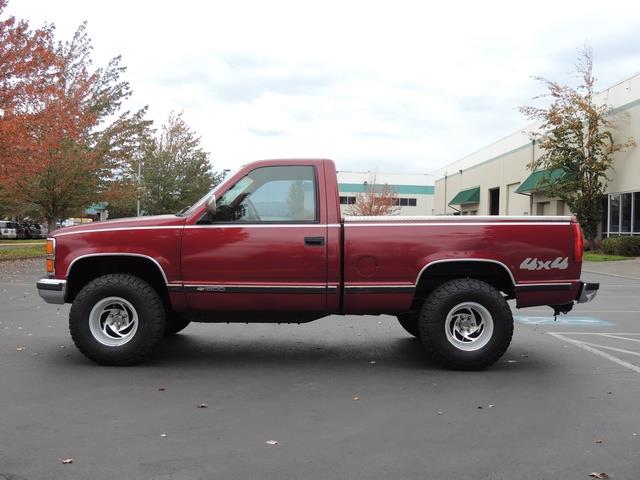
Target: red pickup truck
[(269, 245)]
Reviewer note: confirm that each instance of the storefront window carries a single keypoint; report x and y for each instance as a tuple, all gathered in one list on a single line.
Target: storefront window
[(636, 212), (625, 212), (614, 213)]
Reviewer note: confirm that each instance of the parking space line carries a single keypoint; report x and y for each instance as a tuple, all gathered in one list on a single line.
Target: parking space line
[(594, 350), (609, 335), (613, 349)]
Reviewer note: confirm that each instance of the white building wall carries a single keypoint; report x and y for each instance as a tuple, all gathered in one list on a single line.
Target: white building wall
[(503, 164)]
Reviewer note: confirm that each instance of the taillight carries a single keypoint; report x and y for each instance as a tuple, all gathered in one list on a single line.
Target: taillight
[(50, 250), (578, 242)]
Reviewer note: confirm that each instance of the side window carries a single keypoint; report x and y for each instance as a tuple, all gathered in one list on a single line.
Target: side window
[(271, 194)]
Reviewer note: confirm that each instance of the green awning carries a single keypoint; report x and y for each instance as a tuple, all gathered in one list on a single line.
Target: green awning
[(537, 179), (466, 197)]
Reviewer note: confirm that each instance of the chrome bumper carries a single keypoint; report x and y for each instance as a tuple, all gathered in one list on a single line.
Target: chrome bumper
[(588, 292), (51, 290)]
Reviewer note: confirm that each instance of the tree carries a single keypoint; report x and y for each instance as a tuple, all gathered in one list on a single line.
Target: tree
[(577, 137), (376, 200), (27, 60), (79, 144), (175, 170)]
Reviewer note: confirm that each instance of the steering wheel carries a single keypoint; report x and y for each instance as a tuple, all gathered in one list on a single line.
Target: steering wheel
[(252, 212)]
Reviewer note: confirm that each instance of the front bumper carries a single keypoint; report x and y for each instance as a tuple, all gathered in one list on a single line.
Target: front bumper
[(588, 292), (52, 290)]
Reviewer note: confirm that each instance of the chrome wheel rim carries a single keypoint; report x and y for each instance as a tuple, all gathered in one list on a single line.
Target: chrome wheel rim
[(469, 326), (113, 321)]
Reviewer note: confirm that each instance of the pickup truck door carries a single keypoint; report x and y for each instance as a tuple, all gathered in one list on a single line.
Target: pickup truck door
[(264, 249)]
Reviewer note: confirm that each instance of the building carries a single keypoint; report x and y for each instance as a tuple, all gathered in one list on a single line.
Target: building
[(415, 192), (495, 180)]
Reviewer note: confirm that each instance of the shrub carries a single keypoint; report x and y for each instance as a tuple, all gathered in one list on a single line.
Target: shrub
[(627, 246)]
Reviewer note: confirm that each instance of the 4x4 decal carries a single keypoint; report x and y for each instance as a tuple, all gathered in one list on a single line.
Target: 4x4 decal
[(560, 263)]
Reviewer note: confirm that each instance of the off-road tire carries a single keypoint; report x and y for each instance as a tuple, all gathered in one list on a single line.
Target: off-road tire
[(175, 323), (443, 301), (410, 322), (148, 306)]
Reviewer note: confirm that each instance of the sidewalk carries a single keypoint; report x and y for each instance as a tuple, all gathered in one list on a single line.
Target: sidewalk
[(620, 268)]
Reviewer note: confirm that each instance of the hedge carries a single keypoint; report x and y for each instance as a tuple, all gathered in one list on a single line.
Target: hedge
[(623, 245)]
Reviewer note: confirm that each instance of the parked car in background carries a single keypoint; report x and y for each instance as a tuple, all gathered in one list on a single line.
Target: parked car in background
[(7, 230), (44, 231)]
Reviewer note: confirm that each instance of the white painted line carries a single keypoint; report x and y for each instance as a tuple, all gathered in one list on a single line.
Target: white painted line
[(600, 353), (613, 349), (620, 338), (597, 333)]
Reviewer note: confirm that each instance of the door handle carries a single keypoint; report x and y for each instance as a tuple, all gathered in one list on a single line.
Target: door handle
[(315, 241)]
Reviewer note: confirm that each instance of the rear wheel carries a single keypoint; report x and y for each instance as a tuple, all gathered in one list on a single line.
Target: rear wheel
[(117, 319), (466, 324), (410, 322)]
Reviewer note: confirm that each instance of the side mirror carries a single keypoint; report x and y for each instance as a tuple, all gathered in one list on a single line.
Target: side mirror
[(211, 204)]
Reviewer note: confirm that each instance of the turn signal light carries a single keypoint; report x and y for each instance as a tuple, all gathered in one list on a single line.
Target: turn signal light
[(49, 247)]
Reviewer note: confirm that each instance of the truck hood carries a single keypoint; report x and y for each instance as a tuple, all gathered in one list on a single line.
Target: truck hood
[(122, 223)]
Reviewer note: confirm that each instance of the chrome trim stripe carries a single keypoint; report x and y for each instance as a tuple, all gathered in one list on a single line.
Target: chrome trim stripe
[(446, 260), (265, 225), (176, 227), (118, 254), (543, 287), (120, 229), (451, 224), (458, 218), (380, 289), (258, 289)]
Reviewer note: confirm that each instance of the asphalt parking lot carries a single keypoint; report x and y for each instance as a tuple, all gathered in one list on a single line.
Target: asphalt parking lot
[(345, 398)]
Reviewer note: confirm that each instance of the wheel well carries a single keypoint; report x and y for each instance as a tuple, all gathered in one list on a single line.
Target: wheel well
[(90, 268), (494, 274)]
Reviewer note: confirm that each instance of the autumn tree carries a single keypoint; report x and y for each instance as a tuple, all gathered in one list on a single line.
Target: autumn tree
[(80, 140), (27, 61), (175, 169), (577, 135), (375, 200)]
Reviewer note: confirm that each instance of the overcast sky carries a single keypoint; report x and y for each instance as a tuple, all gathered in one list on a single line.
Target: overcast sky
[(390, 86)]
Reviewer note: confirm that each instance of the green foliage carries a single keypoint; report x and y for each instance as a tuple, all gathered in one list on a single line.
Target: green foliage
[(175, 170), (577, 136), (623, 245)]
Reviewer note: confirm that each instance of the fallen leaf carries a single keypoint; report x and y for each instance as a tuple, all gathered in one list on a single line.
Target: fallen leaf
[(356, 398), (439, 412), (512, 361), (66, 461), (480, 407), (162, 389), (20, 349), (163, 435), (491, 405), (203, 405), (372, 362), (597, 440), (609, 393), (272, 442), (601, 475), (524, 356)]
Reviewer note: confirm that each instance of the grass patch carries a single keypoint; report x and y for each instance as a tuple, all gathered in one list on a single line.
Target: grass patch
[(18, 242), (603, 257), (28, 251)]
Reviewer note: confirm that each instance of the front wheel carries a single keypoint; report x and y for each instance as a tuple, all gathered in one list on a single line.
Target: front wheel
[(117, 319), (466, 324)]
